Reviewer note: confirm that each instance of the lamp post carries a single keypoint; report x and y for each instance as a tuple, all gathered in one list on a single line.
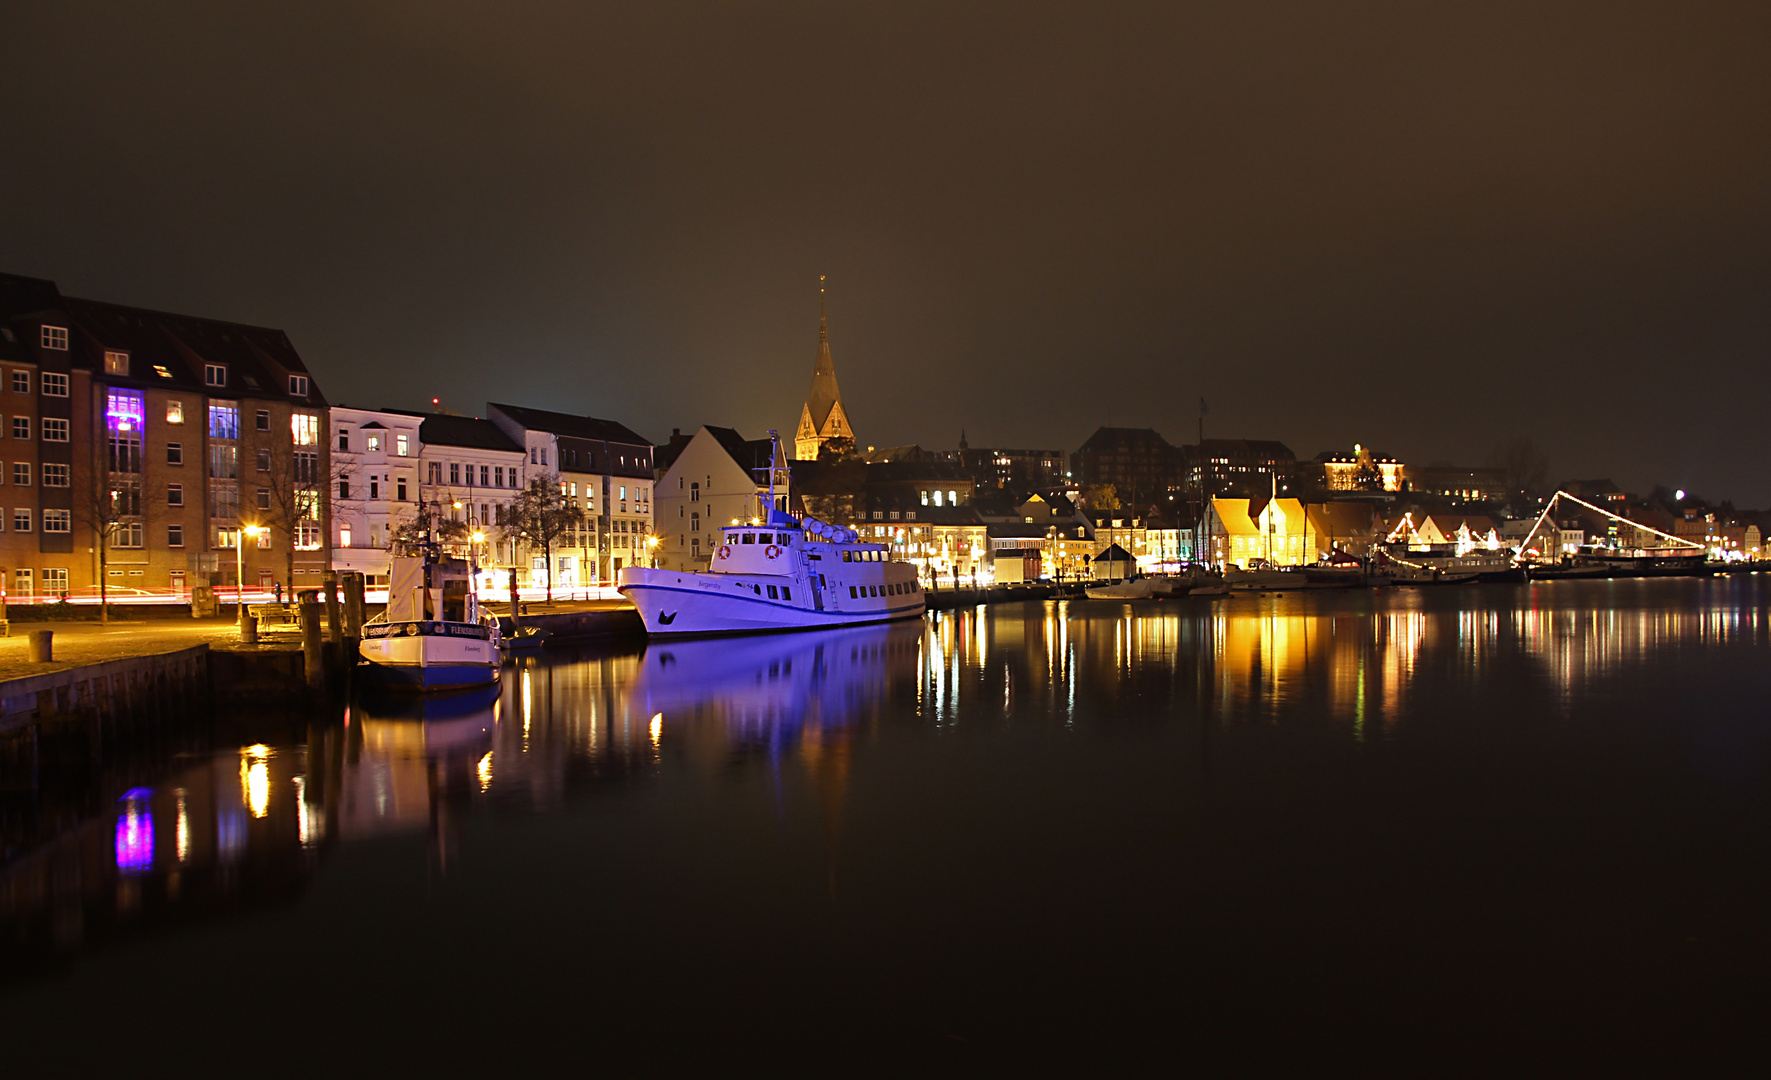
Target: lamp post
[(652, 551), (240, 572)]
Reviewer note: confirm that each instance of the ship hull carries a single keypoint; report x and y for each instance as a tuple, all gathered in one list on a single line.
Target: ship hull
[(692, 610), (430, 655)]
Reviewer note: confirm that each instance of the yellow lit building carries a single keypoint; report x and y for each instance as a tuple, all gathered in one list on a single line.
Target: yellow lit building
[(1361, 471), (1249, 531)]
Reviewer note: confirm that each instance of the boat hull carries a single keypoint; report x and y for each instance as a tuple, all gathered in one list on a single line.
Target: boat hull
[(430, 655), (679, 611)]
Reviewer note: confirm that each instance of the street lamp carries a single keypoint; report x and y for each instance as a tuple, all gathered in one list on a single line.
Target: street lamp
[(652, 551), (240, 571)]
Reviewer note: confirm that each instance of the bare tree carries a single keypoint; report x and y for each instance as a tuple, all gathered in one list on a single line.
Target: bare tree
[(1527, 470), (108, 505), (426, 526), (540, 515)]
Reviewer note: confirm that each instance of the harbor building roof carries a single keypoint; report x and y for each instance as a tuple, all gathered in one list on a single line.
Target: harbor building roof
[(577, 427)]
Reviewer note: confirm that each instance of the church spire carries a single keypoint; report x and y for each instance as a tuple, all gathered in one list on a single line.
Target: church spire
[(823, 417)]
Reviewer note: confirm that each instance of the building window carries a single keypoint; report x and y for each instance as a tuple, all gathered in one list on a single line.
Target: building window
[(175, 412), (533, 459), (224, 461), (21, 520), (55, 430), (372, 440), (55, 337), (375, 487), (402, 445), (215, 375), (498, 475), (174, 494), (454, 472), (21, 427), (264, 498), (344, 536), (175, 536), (127, 534), (307, 536), (298, 386), (224, 419), (54, 475), (54, 385), (400, 489), (23, 583), (264, 459), (307, 467), (695, 491), (116, 363), (485, 476), (264, 420), (174, 453), (344, 488), (436, 472), (21, 474), (305, 428), (55, 581), (21, 382), (344, 439)]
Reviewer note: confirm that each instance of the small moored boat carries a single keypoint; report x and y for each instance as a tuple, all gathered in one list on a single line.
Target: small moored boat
[(433, 635)]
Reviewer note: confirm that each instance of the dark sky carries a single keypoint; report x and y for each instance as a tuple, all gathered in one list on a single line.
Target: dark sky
[(1425, 227)]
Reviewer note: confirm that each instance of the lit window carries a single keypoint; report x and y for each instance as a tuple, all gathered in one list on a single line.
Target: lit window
[(116, 363), (55, 337), (160, 370), (401, 446), (305, 427), (54, 385), (372, 440), (344, 536), (175, 412), (224, 420)]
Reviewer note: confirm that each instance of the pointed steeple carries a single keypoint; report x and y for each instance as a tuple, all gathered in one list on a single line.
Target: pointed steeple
[(823, 417)]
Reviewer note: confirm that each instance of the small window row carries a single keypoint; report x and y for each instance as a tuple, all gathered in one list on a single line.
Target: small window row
[(897, 588), (763, 538), (784, 593)]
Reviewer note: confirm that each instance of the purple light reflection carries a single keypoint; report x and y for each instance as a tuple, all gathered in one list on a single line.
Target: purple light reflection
[(135, 833)]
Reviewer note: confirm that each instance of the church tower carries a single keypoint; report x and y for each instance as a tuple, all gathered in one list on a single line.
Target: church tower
[(823, 418)]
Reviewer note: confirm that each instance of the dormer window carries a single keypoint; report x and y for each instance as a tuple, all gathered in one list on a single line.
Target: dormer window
[(298, 386), (160, 370), (215, 374), (55, 337), (116, 363)]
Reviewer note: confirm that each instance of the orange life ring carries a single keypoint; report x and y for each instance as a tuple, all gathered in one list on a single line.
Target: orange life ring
[(725, 551), (774, 551)]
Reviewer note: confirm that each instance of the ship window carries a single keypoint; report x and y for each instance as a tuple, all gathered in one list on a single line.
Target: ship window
[(772, 595), (848, 556), (852, 594), (783, 539), (758, 589), (786, 593), (750, 538)]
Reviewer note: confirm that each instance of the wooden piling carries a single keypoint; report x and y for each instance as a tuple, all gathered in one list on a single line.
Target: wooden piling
[(313, 647), (334, 615)]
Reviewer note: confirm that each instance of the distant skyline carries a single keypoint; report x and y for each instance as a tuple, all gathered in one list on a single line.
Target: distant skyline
[(1424, 228)]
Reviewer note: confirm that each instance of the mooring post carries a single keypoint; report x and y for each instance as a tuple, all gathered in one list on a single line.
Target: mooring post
[(42, 646), (516, 611), (353, 605), (249, 630), (334, 614), (313, 647)]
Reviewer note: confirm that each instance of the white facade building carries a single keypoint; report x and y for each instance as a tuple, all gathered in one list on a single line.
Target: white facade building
[(375, 465), (472, 472)]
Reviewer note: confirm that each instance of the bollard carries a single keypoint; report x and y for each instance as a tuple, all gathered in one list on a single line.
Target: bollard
[(353, 606), (249, 630), (516, 614), (42, 646), (313, 647), (334, 616)]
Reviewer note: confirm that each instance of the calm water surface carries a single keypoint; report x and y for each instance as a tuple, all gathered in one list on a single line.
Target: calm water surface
[(1442, 830)]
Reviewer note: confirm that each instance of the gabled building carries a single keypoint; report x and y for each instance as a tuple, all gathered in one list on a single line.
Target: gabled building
[(141, 443), (709, 479), (471, 472), (1246, 532)]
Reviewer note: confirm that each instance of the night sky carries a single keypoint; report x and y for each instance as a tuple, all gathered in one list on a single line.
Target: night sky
[(1425, 227)]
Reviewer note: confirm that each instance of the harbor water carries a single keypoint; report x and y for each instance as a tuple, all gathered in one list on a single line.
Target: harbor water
[(1447, 830)]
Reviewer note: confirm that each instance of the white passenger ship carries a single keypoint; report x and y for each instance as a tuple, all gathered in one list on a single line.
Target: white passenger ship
[(782, 574)]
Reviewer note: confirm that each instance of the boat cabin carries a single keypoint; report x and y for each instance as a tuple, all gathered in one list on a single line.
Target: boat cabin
[(773, 549), (420, 590)]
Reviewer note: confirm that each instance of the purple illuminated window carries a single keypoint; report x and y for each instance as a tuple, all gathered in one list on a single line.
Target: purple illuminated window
[(135, 833), (125, 411)]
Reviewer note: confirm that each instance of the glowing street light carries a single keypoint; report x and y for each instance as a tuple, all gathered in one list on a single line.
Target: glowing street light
[(240, 571)]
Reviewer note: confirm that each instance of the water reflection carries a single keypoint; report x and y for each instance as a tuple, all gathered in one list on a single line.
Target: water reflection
[(245, 823)]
